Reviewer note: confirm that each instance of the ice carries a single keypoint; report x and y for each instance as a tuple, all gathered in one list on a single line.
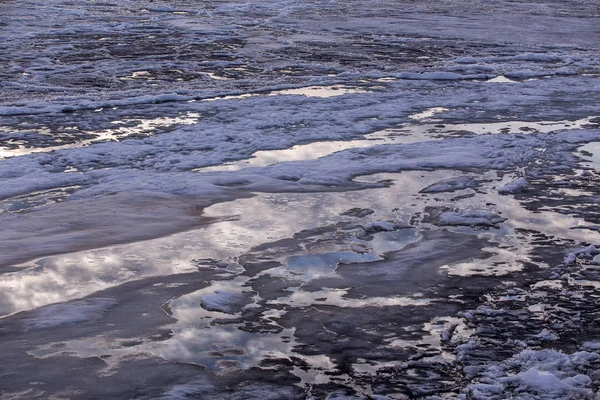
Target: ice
[(526, 74), (57, 315), (376, 226), (221, 301), (570, 259), (225, 297), (427, 114), (187, 390), (204, 390), (236, 180), (451, 185), (501, 79), (448, 333), (591, 151), (534, 374), (470, 218), (515, 186), (591, 251), (547, 335), (443, 76), (343, 395)]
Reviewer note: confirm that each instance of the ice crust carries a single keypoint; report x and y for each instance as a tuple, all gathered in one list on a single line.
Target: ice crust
[(470, 218), (517, 185), (376, 226), (451, 185), (208, 83), (222, 301), (56, 315), (119, 197), (538, 374)]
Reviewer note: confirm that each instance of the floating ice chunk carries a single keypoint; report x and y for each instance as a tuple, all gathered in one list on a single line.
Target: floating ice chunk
[(442, 76), (358, 212), (481, 390), (570, 259), (566, 71), (489, 311), (451, 185), (536, 374), (222, 301), (591, 250), (470, 218), (448, 333), (540, 57), (547, 385), (69, 313), (547, 335), (515, 186), (591, 346), (528, 74), (377, 226)]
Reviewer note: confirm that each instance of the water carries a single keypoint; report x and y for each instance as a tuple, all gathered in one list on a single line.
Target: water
[(246, 200)]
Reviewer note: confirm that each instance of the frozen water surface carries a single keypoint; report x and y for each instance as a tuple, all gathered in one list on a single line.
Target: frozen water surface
[(311, 200), (591, 152)]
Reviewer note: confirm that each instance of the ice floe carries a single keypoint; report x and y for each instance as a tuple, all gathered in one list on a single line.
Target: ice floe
[(515, 186), (56, 315)]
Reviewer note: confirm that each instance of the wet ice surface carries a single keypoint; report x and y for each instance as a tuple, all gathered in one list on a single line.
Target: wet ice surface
[(278, 200)]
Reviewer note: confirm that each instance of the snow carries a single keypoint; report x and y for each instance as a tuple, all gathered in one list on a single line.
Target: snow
[(118, 195), (546, 374), (114, 113)]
